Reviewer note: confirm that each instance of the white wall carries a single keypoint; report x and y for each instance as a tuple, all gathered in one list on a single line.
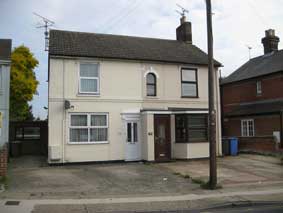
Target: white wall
[(122, 86), (4, 101)]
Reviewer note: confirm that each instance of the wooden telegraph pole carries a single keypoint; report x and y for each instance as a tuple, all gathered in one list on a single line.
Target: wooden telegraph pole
[(212, 111)]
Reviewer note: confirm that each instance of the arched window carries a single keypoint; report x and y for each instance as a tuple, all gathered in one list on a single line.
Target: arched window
[(151, 84)]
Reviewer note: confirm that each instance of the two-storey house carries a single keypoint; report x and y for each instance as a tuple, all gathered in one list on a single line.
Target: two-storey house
[(252, 99), (114, 97), (5, 63)]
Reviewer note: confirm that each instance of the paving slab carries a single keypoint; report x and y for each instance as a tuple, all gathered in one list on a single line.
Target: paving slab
[(234, 171), (40, 181)]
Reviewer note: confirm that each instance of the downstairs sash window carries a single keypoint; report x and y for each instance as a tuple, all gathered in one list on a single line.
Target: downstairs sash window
[(89, 128)]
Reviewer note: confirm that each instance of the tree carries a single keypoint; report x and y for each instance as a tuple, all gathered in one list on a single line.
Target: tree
[(23, 83)]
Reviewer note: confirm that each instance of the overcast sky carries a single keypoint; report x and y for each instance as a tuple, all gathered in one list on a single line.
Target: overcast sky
[(236, 24)]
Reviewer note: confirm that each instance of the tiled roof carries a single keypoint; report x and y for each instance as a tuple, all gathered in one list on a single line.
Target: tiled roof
[(68, 43), (256, 108), (259, 66)]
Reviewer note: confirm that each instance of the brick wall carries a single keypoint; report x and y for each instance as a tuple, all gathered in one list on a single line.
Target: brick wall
[(264, 125), (3, 160), (245, 91), (261, 144)]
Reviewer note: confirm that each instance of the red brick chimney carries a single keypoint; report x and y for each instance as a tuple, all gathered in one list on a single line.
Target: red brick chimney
[(270, 41)]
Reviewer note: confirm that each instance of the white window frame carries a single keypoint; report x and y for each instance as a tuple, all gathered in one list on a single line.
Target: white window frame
[(88, 127), (258, 88), (90, 78), (249, 134)]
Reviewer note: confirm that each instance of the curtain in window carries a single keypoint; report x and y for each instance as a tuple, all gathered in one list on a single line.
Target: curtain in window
[(189, 89), (98, 120), (151, 84), (89, 70), (79, 135), (79, 120), (98, 134), (89, 85)]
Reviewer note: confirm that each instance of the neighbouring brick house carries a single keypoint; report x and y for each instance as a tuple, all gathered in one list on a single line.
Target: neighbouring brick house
[(252, 100)]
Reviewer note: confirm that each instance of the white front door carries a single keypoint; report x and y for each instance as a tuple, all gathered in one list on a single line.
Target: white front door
[(133, 143)]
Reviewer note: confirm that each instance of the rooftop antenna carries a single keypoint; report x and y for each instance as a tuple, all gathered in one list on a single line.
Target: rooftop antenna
[(46, 24), (182, 13), (249, 48)]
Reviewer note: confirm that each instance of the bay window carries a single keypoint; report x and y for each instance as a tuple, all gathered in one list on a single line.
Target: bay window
[(191, 128), (89, 128)]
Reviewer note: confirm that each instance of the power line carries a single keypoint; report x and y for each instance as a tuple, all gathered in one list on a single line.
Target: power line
[(123, 17), (113, 18), (257, 13)]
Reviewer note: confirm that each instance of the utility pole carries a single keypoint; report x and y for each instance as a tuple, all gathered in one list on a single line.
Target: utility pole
[(212, 110)]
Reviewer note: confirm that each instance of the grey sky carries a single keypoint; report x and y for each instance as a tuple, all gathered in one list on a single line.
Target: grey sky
[(236, 23)]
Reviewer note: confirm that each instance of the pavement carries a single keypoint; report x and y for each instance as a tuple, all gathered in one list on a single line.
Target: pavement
[(129, 187), (234, 171)]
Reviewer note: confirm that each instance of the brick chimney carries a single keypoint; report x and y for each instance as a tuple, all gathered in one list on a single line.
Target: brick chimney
[(184, 31), (270, 41)]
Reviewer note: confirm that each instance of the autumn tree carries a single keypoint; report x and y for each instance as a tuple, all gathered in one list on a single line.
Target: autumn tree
[(23, 83)]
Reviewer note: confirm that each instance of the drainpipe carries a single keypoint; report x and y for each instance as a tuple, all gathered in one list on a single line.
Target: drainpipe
[(281, 129), (64, 116)]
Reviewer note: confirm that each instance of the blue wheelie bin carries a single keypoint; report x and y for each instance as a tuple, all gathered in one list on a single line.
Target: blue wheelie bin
[(234, 146)]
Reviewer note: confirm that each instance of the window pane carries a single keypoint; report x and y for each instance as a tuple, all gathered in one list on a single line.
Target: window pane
[(129, 132), (79, 135), (31, 133), (250, 128), (98, 120), (189, 89), (198, 135), (197, 121), (19, 133), (244, 128), (98, 134), (89, 85), (1, 77), (78, 120), (150, 78), (188, 75), (89, 70), (135, 127), (151, 90), (180, 128)]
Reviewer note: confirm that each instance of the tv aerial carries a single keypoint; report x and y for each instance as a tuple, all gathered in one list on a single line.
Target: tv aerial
[(182, 11), (249, 48), (46, 24)]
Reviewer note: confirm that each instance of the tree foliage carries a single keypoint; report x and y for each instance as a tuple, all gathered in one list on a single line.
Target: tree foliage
[(23, 83)]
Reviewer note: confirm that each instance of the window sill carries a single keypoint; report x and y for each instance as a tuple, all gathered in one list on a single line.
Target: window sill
[(88, 94), (189, 97), (88, 143), (151, 97), (186, 142)]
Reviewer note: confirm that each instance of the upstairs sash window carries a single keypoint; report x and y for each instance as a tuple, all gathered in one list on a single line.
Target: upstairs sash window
[(89, 78), (189, 83)]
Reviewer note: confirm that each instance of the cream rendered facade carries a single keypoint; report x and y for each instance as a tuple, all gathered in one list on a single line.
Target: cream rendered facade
[(122, 93)]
